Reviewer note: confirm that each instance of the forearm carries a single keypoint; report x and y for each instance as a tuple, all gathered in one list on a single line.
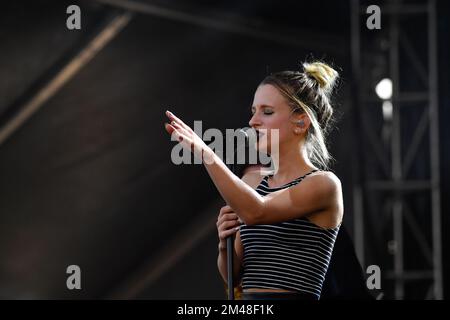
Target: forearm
[(245, 201)]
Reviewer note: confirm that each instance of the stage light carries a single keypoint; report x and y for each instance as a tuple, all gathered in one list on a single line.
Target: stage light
[(387, 110), (384, 89)]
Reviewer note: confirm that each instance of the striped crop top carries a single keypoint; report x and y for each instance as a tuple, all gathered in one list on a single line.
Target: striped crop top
[(291, 255)]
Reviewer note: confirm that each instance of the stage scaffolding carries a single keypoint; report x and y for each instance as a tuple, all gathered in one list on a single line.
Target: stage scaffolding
[(397, 216)]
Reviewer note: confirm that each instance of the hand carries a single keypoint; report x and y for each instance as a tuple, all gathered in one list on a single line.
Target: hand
[(227, 224), (188, 138)]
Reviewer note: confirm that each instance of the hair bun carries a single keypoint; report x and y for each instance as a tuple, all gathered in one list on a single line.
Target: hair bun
[(322, 73)]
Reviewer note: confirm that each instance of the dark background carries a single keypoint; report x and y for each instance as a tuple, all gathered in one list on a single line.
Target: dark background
[(88, 179)]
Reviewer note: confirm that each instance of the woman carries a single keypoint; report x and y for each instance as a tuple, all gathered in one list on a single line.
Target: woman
[(291, 217), (344, 279)]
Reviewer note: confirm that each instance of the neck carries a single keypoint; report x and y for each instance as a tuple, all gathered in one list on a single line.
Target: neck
[(292, 163)]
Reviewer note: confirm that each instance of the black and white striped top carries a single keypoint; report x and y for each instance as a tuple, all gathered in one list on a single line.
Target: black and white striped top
[(291, 255)]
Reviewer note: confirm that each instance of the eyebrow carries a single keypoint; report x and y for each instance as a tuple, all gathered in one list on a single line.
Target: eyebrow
[(262, 106)]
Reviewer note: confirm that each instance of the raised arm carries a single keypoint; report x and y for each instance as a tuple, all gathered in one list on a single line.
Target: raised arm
[(318, 192)]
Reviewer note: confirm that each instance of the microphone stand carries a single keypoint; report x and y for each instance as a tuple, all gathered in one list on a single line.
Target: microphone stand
[(230, 239), (230, 254)]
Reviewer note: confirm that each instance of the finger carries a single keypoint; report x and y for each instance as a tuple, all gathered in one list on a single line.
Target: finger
[(182, 138), (169, 128), (226, 209), (221, 221), (173, 117), (225, 218), (229, 216), (186, 135), (227, 233), (228, 225), (181, 129), (175, 136), (191, 142)]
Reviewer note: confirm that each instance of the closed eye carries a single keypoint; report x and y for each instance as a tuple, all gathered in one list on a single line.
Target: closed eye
[(266, 110)]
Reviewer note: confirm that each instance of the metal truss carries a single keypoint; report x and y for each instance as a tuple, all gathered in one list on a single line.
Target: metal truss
[(397, 222)]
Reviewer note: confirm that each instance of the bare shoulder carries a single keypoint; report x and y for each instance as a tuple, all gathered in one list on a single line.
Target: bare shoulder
[(326, 180), (322, 187), (330, 179), (328, 188)]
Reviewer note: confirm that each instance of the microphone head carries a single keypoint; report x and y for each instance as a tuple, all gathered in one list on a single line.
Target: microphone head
[(247, 133), (243, 131), (239, 156)]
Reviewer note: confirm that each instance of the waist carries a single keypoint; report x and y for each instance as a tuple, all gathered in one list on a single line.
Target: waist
[(277, 295)]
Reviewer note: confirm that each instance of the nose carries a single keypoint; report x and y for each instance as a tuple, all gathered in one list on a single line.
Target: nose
[(254, 121)]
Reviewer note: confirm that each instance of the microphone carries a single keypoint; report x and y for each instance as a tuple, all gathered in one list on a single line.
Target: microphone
[(243, 137), (240, 150)]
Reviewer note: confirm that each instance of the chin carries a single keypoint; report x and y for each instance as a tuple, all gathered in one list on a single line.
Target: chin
[(262, 148)]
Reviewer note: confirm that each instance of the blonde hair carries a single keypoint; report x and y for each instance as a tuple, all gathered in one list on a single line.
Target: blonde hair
[(309, 91), (323, 73)]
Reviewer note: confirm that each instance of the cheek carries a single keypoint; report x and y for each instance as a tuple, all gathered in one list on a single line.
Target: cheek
[(283, 132), (282, 124)]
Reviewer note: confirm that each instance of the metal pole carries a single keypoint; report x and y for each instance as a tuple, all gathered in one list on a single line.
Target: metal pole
[(49, 89), (397, 184), (230, 252), (358, 205), (317, 41), (434, 150), (396, 157)]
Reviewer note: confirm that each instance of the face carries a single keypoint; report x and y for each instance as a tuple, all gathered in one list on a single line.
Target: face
[(270, 110)]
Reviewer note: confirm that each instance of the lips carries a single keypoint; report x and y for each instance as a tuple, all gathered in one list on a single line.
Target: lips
[(259, 134)]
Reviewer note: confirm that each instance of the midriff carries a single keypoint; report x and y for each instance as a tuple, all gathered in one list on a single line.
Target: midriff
[(267, 290)]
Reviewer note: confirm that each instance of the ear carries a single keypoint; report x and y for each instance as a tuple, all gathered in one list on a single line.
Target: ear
[(302, 122)]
